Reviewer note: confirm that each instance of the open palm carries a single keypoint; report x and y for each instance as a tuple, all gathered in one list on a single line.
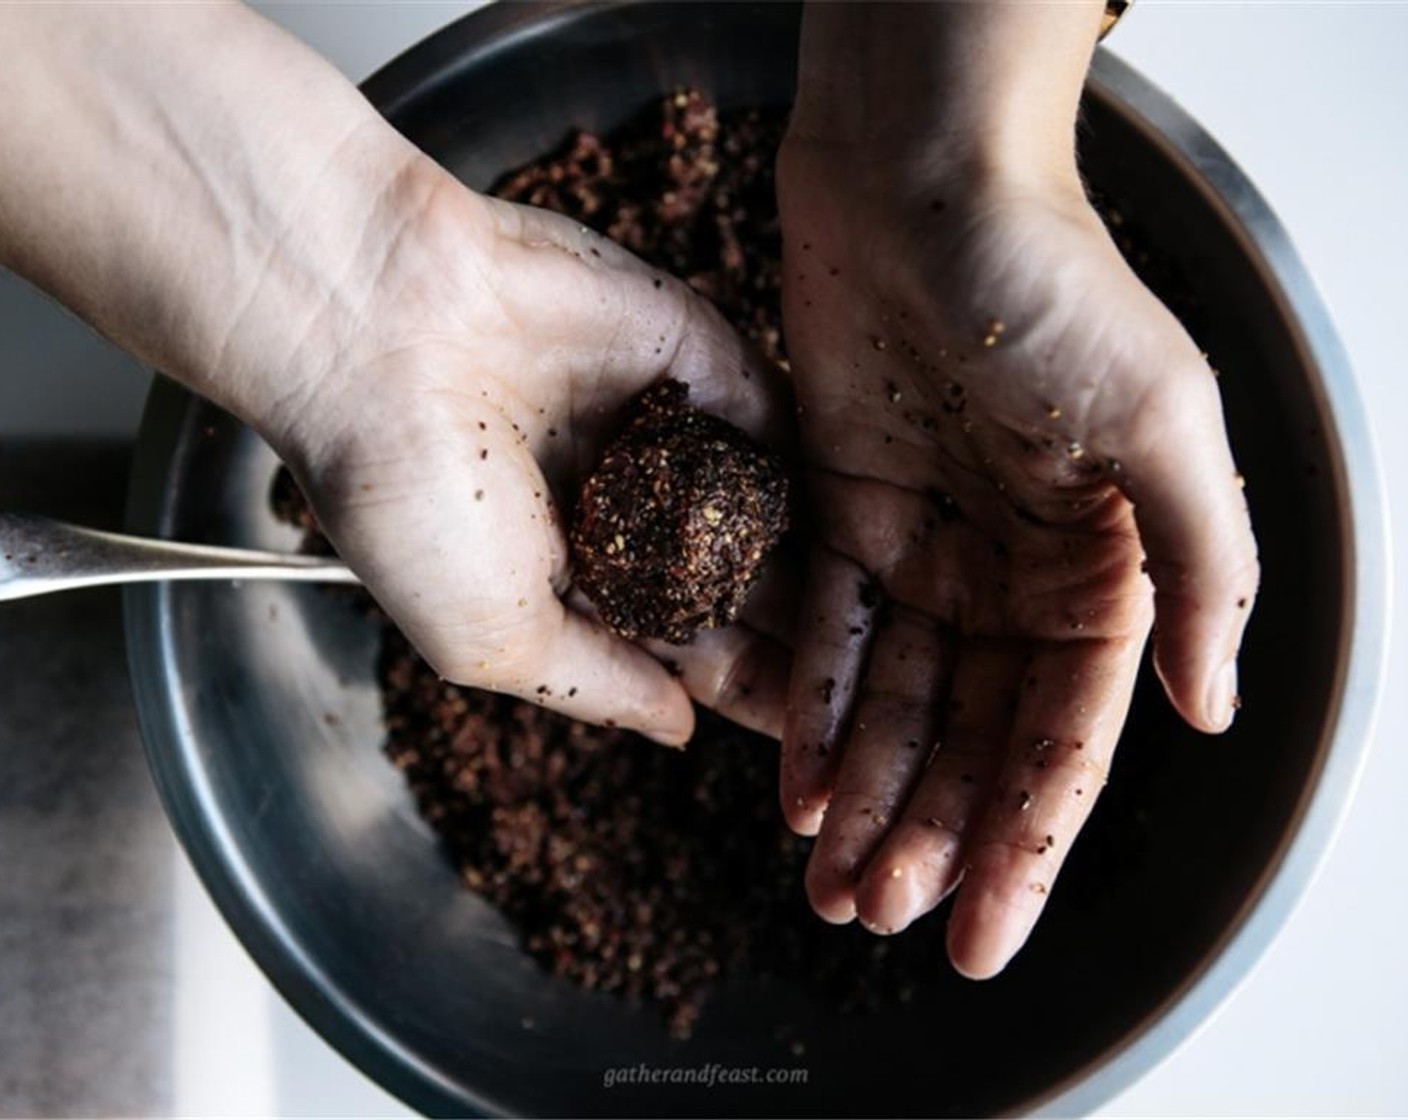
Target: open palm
[(1004, 432)]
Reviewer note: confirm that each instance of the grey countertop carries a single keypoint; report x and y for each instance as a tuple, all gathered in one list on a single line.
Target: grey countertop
[(86, 938)]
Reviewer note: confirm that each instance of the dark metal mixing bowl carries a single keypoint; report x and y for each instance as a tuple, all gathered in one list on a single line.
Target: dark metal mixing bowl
[(260, 711)]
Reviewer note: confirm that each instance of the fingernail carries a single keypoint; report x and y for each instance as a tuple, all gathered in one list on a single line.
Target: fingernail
[(898, 899), (1223, 701), (673, 740), (805, 820)]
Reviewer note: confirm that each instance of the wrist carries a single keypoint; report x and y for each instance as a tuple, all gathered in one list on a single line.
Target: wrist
[(221, 215), (379, 320), (322, 285), (990, 88)]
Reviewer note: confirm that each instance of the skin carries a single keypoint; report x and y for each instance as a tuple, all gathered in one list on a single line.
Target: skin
[(999, 422), (1012, 447), (438, 368)]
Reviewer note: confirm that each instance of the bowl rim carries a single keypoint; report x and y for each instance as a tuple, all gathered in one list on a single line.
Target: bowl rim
[(1361, 659)]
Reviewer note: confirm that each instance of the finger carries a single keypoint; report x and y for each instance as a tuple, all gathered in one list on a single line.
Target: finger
[(1068, 722), (575, 666), (736, 671), (739, 671), (742, 671), (1176, 467), (920, 860), (889, 740), (833, 633)]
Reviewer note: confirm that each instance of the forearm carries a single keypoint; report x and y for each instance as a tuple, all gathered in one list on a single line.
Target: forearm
[(197, 185), (985, 84)]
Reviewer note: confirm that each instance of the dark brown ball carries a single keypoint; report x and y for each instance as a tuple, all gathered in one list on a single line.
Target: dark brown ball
[(674, 525)]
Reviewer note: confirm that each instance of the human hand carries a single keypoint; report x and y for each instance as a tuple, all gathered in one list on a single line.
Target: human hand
[(1000, 424), (438, 446), (438, 368)]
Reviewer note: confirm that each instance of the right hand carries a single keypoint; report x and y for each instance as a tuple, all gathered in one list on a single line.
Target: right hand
[(438, 368), (441, 439)]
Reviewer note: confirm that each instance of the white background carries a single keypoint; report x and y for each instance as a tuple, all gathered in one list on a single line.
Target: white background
[(1312, 101)]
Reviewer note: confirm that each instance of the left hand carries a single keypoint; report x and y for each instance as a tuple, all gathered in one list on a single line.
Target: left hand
[(1000, 422)]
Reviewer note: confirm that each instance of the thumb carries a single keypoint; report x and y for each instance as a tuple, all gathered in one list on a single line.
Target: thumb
[(633, 324), (1175, 466)]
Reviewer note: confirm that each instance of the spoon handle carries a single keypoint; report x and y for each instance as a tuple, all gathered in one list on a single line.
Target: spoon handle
[(39, 556)]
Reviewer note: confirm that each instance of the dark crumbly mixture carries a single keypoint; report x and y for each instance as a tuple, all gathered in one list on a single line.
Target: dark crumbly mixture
[(687, 189), (628, 868), (673, 525)]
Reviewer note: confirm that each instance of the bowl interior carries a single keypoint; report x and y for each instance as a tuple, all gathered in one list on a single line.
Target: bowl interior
[(261, 712)]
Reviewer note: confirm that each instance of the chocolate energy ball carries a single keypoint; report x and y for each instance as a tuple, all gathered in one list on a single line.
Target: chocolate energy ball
[(673, 526)]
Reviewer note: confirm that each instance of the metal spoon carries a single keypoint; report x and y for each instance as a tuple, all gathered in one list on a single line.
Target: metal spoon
[(39, 556)]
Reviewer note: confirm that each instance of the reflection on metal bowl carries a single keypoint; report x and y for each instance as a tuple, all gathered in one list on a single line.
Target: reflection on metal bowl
[(311, 845)]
